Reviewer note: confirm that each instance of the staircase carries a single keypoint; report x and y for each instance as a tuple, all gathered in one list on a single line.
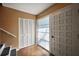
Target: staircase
[(7, 51)]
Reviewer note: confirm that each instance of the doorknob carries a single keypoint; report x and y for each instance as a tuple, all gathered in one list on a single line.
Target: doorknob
[(52, 36)]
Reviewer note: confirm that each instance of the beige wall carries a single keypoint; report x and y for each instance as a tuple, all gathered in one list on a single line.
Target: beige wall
[(52, 9), (0, 31), (9, 22), (0, 26)]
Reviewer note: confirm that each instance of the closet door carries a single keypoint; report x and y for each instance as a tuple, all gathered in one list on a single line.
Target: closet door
[(62, 33), (56, 34), (54, 28), (65, 29), (51, 34), (72, 29)]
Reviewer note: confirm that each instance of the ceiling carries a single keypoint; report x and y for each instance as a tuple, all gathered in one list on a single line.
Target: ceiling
[(32, 8)]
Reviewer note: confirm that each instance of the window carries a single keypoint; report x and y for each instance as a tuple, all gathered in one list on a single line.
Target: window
[(43, 32)]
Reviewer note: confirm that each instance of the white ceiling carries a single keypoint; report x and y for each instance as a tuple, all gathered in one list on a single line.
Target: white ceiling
[(32, 8)]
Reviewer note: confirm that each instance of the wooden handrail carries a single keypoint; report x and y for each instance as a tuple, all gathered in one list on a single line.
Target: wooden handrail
[(7, 32)]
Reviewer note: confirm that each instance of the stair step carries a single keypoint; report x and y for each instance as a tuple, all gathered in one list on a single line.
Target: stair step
[(5, 51), (13, 52), (2, 48)]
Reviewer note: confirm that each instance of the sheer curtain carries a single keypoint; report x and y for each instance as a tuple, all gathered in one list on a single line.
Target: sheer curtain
[(26, 32)]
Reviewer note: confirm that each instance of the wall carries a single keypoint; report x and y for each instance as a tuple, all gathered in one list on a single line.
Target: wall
[(9, 22), (0, 25), (0, 31), (52, 9)]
